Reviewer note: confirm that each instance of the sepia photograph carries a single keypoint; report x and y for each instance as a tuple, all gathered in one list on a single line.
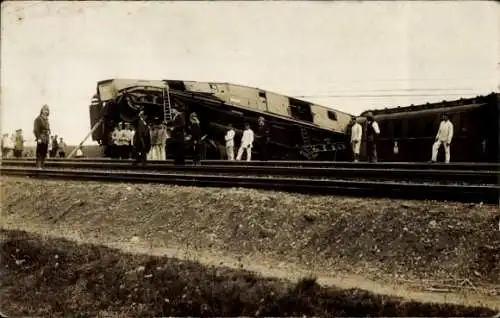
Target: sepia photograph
[(250, 159)]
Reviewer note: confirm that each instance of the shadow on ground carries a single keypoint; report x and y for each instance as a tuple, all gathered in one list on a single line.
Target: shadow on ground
[(43, 276)]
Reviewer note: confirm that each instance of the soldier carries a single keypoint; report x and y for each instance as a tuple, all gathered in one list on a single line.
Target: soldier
[(372, 132), (195, 130), (230, 143), (356, 135), (41, 130), (443, 137), (246, 143), (142, 139), (264, 138)]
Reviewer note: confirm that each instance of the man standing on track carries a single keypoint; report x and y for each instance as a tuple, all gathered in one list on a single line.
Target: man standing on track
[(142, 139), (356, 135), (41, 130), (372, 132), (443, 137), (264, 138), (246, 143), (178, 136), (230, 143)]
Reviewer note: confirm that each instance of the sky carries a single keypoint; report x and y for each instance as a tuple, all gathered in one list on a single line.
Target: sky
[(351, 56)]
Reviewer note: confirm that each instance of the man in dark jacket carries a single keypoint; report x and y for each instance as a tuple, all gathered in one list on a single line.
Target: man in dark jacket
[(372, 133), (178, 136), (41, 130), (142, 139), (195, 131), (264, 138)]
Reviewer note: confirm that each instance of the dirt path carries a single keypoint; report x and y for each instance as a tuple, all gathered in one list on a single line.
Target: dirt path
[(261, 264)]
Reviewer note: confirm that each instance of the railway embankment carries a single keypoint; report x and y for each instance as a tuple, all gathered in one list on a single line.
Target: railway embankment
[(431, 251)]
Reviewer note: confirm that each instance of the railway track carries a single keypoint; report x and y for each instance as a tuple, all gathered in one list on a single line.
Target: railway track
[(408, 173), (294, 179)]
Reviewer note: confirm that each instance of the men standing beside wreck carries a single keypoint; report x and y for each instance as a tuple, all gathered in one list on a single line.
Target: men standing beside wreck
[(41, 130), (142, 139)]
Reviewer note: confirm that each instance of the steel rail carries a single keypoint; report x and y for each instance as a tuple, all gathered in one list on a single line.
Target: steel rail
[(327, 164), (466, 176), (415, 191)]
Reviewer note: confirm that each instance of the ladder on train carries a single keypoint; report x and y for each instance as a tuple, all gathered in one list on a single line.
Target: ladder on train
[(167, 107)]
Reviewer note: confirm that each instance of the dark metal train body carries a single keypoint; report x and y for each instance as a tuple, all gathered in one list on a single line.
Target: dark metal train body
[(414, 128), (299, 129)]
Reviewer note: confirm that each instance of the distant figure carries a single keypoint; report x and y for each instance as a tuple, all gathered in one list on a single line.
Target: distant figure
[(7, 146), (18, 144), (264, 138), (395, 150), (372, 132), (41, 130), (246, 143), (230, 143), (195, 131), (443, 137), (142, 139), (356, 134), (54, 148), (62, 148)]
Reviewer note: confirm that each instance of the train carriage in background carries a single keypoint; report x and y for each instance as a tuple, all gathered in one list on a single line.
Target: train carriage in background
[(299, 129), (414, 128)]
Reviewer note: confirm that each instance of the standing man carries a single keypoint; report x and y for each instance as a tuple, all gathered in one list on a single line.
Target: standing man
[(142, 139), (19, 144), (178, 136), (246, 143), (372, 132), (41, 130), (443, 137), (264, 138), (62, 148), (356, 135), (230, 143), (195, 130)]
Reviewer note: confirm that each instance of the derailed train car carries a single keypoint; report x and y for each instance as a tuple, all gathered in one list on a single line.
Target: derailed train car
[(414, 128), (299, 129)]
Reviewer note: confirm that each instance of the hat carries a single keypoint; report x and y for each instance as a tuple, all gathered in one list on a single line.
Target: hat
[(369, 115)]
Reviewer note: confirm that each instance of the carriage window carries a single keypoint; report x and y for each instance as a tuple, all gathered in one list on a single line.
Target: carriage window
[(332, 115), (398, 128), (262, 94)]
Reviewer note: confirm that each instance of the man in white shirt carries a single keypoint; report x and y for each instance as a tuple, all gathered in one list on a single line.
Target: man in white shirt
[(230, 143), (443, 137), (246, 143), (356, 134)]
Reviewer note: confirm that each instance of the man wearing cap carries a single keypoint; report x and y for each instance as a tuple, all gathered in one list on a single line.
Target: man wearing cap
[(264, 138), (41, 130), (195, 131), (142, 139), (372, 132), (178, 136)]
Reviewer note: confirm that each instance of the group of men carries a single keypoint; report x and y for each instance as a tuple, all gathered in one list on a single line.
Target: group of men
[(13, 145), (247, 141), (443, 138)]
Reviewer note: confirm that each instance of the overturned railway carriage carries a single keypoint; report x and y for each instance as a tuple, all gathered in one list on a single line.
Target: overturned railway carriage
[(414, 128), (299, 129)]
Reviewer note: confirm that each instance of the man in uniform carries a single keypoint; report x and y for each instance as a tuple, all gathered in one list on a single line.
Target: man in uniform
[(230, 143), (372, 133), (41, 130), (246, 143), (19, 144)]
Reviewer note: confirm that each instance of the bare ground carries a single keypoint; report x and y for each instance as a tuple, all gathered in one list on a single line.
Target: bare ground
[(58, 278), (387, 246)]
